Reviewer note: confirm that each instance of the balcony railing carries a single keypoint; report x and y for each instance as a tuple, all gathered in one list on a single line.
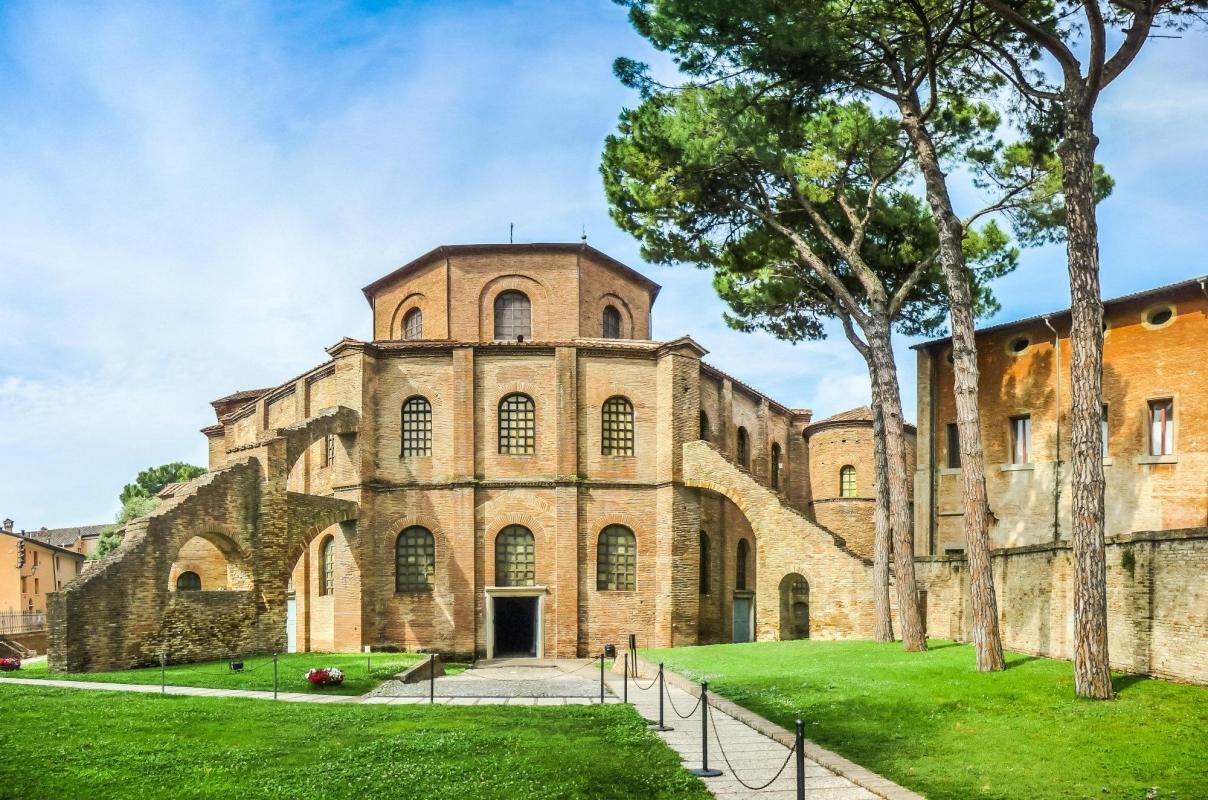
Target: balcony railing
[(22, 621)]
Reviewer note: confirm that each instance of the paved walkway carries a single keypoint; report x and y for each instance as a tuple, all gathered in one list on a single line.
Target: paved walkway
[(754, 757), (511, 681), (190, 691)]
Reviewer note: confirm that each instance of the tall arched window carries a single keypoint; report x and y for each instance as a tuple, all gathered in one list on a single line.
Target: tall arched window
[(327, 566), (740, 565), (704, 425), (513, 317), (515, 557), (414, 560), (847, 481), (616, 427), (188, 582), (617, 560), (743, 448), (517, 425), (417, 427), (612, 323), (704, 563), (775, 465), (413, 324)]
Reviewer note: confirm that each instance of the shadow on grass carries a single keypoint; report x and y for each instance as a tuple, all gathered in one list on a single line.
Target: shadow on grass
[(1121, 683)]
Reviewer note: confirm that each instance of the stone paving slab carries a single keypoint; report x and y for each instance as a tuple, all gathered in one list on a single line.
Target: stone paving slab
[(755, 754)]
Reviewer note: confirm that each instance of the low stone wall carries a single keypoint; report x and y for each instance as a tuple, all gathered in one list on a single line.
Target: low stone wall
[(1157, 601)]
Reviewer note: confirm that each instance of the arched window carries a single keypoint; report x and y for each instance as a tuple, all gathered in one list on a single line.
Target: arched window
[(413, 324), (740, 565), (515, 557), (847, 481), (513, 317), (417, 427), (327, 566), (517, 425), (704, 425), (743, 449), (616, 427), (612, 323), (414, 560), (617, 560), (775, 465), (704, 563), (188, 582)]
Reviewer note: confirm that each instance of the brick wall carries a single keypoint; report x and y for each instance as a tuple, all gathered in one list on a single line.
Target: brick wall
[(1157, 593)]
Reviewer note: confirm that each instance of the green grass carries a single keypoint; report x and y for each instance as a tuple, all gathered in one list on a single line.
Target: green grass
[(257, 672), (932, 723), (69, 743)]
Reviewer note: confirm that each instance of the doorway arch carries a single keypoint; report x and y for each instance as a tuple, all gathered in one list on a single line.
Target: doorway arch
[(794, 607)]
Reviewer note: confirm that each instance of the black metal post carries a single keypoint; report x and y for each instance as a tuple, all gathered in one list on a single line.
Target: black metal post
[(601, 679), (704, 771), (368, 666), (163, 683), (625, 682), (662, 690), (800, 760), (432, 679), (274, 676), (633, 650)]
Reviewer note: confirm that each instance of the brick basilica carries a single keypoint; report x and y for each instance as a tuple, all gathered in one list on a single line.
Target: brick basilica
[(510, 466)]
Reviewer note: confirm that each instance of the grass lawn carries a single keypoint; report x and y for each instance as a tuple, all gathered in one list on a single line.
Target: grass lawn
[(932, 723), (68, 743), (257, 672)]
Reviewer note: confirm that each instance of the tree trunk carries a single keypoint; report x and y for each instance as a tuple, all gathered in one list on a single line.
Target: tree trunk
[(977, 516), (1092, 674), (882, 546), (885, 387)]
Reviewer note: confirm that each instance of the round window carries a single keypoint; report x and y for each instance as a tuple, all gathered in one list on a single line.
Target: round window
[(1159, 316), (1017, 345)]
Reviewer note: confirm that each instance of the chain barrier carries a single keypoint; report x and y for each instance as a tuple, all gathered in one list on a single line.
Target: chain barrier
[(734, 772), (592, 663), (676, 710), (648, 686), (227, 671)]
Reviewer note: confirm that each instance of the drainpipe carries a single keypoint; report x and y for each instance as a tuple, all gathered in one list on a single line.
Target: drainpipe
[(1057, 416), (932, 477)]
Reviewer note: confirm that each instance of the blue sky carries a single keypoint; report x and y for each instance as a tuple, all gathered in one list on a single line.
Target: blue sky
[(193, 196)]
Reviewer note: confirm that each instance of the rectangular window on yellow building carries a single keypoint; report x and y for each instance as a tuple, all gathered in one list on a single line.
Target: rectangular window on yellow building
[(1021, 439)]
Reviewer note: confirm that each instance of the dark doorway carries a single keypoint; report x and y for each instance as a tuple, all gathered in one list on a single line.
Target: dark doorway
[(515, 626)]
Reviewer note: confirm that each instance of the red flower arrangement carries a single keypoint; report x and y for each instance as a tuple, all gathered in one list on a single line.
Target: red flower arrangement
[(11, 664), (327, 676)]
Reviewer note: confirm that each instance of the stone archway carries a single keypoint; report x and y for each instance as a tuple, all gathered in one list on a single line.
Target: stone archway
[(794, 607), (840, 604)]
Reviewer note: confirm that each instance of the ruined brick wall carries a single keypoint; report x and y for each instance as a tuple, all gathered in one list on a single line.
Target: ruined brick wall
[(1157, 592)]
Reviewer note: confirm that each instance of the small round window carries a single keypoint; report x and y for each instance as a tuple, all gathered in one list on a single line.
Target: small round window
[(1018, 344), (1158, 316)]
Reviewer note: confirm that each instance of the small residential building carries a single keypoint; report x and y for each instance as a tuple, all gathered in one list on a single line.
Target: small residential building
[(31, 568)]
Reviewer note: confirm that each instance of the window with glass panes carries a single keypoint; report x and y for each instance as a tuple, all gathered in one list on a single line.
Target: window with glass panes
[(413, 324), (513, 317), (740, 565), (329, 450), (515, 557), (417, 427), (1021, 439), (617, 560), (612, 323), (517, 425), (327, 565), (1161, 427), (847, 481), (616, 437), (414, 560)]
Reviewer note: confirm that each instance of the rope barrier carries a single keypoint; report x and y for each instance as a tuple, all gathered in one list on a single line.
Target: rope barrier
[(734, 772), (676, 710), (648, 686)]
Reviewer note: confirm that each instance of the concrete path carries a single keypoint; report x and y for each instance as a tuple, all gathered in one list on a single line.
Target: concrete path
[(511, 681), (741, 751)]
